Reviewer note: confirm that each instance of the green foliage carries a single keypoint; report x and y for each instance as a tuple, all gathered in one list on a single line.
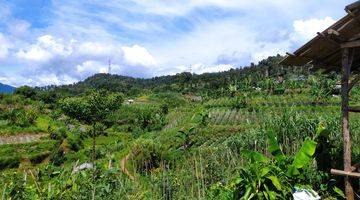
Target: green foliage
[(169, 98), (138, 118), (9, 162), (75, 141), (202, 118), (20, 116), (279, 90), (146, 155), (94, 107), (26, 91), (266, 178), (57, 156), (239, 102), (321, 87), (225, 156), (186, 135)]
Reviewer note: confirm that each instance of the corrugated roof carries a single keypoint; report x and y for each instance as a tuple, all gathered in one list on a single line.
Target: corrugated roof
[(324, 50)]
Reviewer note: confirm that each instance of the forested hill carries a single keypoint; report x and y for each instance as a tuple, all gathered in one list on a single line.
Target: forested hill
[(185, 82)]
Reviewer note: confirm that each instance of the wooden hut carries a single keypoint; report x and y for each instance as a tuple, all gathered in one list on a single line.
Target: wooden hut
[(337, 49)]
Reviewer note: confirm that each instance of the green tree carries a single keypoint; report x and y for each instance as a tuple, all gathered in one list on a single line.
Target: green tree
[(92, 109), (26, 91)]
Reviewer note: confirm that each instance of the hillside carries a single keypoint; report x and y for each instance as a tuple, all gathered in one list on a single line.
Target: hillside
[(187, 136), (207, 83), (6, 88)]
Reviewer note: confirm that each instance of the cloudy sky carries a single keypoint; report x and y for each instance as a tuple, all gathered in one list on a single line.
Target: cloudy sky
[(46, 42)]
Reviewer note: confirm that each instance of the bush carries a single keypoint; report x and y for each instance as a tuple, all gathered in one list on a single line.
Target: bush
[(170, 99), (146, 155), (74, 141), (26, 91), (147, 118), (279, 91), (239, 102), (19, 116), (57, 156)]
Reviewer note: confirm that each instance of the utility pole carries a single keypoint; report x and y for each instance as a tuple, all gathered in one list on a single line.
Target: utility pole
[(109, 69)]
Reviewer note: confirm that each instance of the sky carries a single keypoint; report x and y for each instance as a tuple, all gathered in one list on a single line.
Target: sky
[(44, 42)]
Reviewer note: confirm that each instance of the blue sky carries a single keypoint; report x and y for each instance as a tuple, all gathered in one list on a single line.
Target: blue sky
[(46, 42)]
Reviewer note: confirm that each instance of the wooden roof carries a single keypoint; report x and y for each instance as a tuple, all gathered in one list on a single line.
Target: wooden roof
[(324, 50)]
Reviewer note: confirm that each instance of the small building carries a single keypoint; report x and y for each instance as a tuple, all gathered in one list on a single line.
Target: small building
[(129, 101)]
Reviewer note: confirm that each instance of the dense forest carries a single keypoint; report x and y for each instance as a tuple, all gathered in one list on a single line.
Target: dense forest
[(256, 132)]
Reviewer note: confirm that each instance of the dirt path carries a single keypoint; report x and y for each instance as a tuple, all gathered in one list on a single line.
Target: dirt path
[(21, 138), (123, 167)]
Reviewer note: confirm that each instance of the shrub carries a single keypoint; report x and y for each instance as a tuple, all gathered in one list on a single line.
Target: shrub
[(145, 155), (279, 90), (57, 156), (239, 102), (26, 91), (74, 141), (169, 98), (147, 118)]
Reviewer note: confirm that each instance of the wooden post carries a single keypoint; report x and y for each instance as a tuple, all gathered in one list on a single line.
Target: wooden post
[(345, 121)]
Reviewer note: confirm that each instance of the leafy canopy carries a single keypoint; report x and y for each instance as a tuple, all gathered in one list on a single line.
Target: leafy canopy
[(92, 108)]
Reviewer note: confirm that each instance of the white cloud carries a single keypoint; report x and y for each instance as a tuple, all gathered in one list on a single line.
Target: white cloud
[(98, 49), (91, 66), (52, 60), (137, 55), (4, 46), (307, 29), (46, 48), (145, 38), (228, 37), (51, 79), (183, 7), (19, 28), (201, 68), (35, 54), (197, 68)]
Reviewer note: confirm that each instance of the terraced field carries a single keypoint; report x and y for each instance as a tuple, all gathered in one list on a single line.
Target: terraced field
[(21, 138)]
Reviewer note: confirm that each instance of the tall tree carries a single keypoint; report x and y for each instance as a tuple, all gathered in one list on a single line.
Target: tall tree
[(92, 109)]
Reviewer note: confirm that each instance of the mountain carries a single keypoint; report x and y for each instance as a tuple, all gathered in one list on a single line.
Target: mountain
[(6, 88), (185, 82)]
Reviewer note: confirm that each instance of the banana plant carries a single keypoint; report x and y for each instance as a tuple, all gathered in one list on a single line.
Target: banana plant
[(270, 178)]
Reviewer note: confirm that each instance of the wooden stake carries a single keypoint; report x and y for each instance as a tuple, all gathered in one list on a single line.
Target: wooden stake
[(345, 121), (342, 173)]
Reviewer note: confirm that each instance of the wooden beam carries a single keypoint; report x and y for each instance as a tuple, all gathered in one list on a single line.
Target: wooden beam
[(290, 54), (329, 39), (345, 120), (346, 24), (354, 109), (356, 37), (345, 173), (353, 15), (351, 44), (335, 35), (313, 61)]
